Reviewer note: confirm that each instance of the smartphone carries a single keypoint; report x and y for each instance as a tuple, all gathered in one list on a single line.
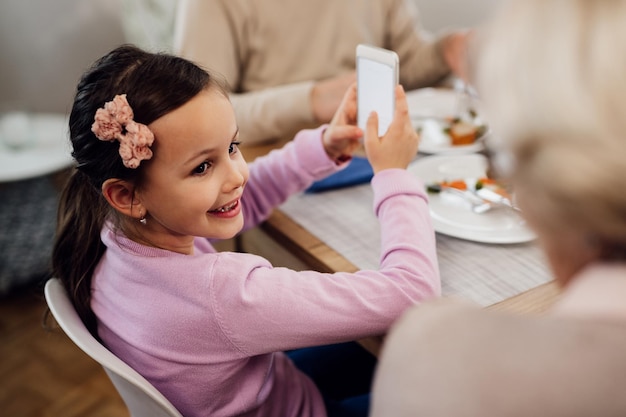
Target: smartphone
[(377, 77)]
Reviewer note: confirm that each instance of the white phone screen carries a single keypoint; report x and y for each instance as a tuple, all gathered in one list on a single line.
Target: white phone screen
[(376, 83)]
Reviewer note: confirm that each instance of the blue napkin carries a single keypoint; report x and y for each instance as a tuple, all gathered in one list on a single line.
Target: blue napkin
[(358, 171)]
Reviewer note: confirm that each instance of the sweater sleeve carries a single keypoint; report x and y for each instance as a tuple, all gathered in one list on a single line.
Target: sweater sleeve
[(216, 36), (263, 309), (284, 172), (267, 114), (421, 58)]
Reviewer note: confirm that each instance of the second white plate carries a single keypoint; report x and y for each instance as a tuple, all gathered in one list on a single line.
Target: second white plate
[(501, 226), (429, 106)]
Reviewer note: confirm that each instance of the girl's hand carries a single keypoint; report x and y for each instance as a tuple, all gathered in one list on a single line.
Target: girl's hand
[(398, 147), (341, 138)]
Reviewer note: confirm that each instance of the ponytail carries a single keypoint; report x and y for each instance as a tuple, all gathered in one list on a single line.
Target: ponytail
[(77, 247)]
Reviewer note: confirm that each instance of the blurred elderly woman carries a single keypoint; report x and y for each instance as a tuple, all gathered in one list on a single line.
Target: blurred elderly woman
[(552, 74)]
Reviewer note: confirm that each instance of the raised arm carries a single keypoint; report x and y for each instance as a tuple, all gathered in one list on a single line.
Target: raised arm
[(425, 59)]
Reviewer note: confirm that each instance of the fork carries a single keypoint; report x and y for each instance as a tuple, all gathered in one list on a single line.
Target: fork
[(493, 197), (477, 204)]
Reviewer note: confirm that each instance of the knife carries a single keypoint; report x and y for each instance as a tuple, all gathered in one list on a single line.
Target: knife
[(493, 197), (478, 204)]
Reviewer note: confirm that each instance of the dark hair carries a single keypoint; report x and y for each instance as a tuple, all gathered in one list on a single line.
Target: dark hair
[(155, 84)]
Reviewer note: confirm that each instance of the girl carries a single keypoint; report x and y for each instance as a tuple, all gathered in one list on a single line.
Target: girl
[(158, 173)]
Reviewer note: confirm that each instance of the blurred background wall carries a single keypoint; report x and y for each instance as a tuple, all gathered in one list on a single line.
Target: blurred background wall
[(441, 14), (45, 45)]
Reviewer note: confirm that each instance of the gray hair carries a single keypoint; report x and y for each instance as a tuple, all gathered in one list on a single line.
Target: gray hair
[(553, 77)]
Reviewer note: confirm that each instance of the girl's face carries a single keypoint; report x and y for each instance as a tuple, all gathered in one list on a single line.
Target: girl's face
[(194, 182)]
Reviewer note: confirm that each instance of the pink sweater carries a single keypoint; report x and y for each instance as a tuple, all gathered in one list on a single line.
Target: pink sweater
[(208, 329)]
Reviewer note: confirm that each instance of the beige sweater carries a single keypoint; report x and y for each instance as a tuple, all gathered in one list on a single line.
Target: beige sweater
[(271, 52), (448, 359)]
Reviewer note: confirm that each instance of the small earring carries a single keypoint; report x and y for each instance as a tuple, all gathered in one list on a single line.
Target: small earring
[(143, 220)]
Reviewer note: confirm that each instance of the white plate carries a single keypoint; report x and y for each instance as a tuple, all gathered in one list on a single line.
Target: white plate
[(451, 217), (39, 145), (427, 108)]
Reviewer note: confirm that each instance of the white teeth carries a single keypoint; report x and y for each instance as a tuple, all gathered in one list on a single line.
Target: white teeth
[(227, 208)]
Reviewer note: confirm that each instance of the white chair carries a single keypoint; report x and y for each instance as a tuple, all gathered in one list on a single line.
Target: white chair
[(140, 396)]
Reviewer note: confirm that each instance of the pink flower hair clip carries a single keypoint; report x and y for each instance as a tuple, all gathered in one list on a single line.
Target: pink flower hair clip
[(115, 121)]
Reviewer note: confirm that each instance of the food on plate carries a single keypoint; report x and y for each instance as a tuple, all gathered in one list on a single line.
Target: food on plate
[(456, 131), (482, 193), (438, 186), (470, 184), (463, 133)]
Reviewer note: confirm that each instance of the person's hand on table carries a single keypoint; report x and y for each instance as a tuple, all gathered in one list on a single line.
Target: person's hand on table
[(454, 52), (341, 137), (327, 95), (398, 147)]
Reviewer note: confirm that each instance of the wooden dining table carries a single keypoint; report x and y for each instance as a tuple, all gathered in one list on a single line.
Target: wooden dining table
[(315, 254)]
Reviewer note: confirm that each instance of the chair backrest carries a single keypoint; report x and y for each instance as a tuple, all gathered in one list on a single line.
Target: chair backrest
[(140, 396)]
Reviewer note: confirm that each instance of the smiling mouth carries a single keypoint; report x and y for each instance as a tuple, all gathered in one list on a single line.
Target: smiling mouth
[(227, 208)]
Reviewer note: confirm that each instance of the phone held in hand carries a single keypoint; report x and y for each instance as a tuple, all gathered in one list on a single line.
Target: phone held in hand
[(377, 77)]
